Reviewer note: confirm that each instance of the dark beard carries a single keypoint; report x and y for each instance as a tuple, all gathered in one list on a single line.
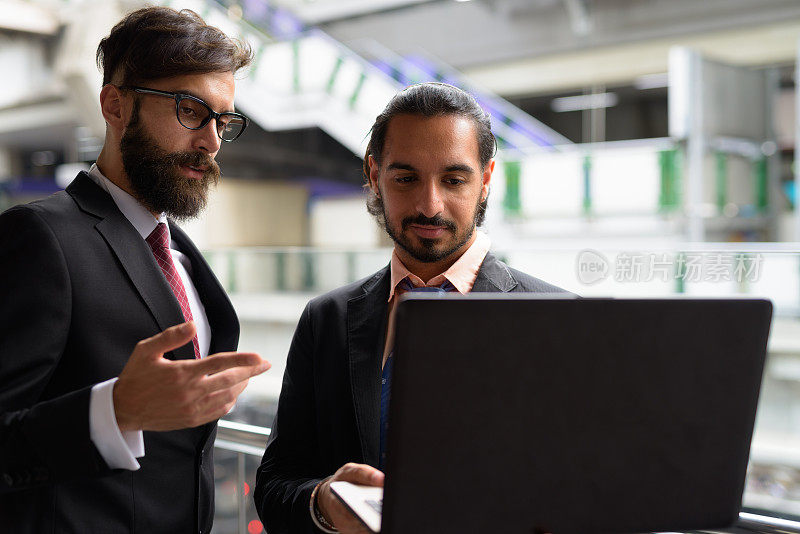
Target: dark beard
[(428, 253), (155, 178)]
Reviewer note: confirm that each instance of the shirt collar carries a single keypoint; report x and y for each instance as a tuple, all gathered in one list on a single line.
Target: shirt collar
[(141, 219), (461, 274)]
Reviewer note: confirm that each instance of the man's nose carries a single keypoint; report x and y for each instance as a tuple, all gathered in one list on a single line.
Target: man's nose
[(207, 139), (429, 202)]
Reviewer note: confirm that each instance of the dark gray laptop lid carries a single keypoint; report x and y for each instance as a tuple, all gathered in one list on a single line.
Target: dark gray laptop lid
[(528, 414)]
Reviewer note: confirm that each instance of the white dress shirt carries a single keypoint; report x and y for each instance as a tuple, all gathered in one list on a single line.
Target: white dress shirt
[(120, 449)]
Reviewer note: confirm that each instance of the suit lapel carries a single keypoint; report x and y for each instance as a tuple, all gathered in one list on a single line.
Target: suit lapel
[(135, 257), (493, 277), (366, 327)]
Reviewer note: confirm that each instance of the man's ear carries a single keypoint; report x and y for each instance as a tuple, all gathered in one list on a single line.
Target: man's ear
[(112, 106), (373, 176), (487, 179)]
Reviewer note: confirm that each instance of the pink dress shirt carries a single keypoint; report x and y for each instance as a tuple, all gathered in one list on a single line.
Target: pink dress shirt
[(461, 274)]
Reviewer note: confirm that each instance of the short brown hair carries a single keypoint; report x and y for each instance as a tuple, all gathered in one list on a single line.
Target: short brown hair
[(160, 42)]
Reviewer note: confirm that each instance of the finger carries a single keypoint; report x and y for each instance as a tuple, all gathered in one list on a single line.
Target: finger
[(219, 399), (219, 403), (226, 360), (225, 379), (170, 339), (361, 474)]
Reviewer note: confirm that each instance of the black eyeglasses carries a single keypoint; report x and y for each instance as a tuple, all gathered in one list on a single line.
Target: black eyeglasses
[(194, 114)]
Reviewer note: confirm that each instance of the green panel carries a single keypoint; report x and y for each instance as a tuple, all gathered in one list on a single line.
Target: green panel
[(334, 73), (232, 281), (680, 273), (666, 165), (357, 90), (721, 180), (351, 266), (512, 203), (762, 194), (308, 270), (296, 65), (587, 184), (678, 189), (668, 195), (280, 264)]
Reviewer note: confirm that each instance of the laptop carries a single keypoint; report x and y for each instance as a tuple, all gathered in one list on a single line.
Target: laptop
[(529, 414)]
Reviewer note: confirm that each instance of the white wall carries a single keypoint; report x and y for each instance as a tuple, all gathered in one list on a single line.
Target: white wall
[(342, 222), (246, 213)]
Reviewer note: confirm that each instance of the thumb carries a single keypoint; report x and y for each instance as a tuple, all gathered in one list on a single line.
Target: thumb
[(171, 338)]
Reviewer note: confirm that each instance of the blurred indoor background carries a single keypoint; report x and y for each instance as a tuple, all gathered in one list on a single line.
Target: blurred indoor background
[(646, 148)]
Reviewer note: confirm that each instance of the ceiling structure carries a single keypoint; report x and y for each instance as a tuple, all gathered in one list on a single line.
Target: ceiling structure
[(321, 11), (518, 47), (526, 50)]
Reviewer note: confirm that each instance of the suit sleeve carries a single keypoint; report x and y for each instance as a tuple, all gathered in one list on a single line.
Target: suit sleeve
[(288, 474), (41, 441)]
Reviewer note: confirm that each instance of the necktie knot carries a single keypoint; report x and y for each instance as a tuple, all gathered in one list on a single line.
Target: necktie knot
[(445, 287), (159, 237)]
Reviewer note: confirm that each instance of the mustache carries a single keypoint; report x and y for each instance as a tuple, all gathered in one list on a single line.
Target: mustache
[(194, 159), (436, 220)]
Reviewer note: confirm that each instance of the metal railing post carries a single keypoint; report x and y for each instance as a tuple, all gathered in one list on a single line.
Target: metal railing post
[(240, 481)]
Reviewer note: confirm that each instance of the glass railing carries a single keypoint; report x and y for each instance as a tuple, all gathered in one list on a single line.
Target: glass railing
[(238, 454), (270, 286)]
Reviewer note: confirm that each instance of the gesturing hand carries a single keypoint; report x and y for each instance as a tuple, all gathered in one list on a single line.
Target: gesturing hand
[(154, 393), (333, 510)]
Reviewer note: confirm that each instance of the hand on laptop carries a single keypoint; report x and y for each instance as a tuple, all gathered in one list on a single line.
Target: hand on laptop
[(333, 510)]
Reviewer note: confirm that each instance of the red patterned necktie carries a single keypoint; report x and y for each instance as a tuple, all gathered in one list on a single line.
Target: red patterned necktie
[(159, 244)]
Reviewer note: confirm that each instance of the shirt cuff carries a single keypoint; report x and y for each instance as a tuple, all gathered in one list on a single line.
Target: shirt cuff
[(118, 449)]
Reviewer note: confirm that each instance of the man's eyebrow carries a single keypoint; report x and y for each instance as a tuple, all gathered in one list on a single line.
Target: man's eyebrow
[(396, 166), (190, 93), (456, 167), (459, 167)]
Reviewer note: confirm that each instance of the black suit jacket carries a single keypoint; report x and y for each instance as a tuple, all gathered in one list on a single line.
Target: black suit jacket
[(329, 407), (80, 288)]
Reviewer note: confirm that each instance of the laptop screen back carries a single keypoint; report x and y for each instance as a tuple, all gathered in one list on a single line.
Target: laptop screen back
[(533, 414)]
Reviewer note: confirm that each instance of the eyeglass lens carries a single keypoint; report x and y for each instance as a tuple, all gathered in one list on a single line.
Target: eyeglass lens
[(194, 114)]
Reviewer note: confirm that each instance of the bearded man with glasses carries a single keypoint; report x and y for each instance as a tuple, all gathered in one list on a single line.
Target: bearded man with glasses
[(117, 343)]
